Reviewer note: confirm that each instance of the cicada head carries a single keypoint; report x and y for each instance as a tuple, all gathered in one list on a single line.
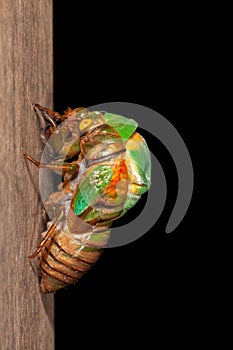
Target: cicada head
[(65, 139), (138, 162)]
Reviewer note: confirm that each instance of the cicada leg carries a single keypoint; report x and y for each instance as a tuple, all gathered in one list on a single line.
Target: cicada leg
[(44, 240), (48, 120), (48, 115), (55, 166)]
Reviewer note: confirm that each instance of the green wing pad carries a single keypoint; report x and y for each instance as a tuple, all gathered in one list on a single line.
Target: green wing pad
[(124, 126), (91, 187)]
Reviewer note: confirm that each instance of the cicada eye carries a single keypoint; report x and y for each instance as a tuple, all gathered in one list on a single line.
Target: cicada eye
[(85, 123)]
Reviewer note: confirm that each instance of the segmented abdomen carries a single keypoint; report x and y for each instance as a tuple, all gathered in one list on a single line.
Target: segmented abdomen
[(63, 262)]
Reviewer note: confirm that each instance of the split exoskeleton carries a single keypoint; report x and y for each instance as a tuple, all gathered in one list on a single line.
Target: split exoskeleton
[(106, 167)]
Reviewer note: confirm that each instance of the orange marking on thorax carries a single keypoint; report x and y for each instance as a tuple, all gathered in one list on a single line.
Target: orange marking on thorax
[(120, 172)]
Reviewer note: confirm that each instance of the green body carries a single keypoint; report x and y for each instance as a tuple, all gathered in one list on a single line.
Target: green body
[(109, 147), (115, 141)]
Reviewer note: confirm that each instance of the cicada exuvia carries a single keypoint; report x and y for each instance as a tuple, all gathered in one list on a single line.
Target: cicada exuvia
[(106, 167)]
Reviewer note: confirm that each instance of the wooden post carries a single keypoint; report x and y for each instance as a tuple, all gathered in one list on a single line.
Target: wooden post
[(26, 317)]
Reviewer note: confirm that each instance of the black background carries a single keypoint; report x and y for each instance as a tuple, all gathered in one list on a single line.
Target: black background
[(145, 290)]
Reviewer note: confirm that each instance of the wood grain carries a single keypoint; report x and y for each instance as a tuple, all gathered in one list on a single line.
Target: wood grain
[(26, 317)]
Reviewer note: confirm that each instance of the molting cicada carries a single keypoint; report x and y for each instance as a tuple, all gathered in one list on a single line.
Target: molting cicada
[(106, 167)]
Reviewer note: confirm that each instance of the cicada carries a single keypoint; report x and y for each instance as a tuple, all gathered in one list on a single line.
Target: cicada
[(106, 167)]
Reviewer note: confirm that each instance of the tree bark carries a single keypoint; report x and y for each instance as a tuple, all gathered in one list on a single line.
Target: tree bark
[(26, 317)]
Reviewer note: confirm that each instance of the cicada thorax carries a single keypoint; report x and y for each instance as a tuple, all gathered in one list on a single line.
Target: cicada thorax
[(103, 178)]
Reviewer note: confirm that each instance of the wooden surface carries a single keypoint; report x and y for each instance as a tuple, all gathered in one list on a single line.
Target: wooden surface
[(26, 317)]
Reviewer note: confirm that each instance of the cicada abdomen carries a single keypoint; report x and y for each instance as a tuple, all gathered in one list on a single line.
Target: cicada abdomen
[(106, 168)]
